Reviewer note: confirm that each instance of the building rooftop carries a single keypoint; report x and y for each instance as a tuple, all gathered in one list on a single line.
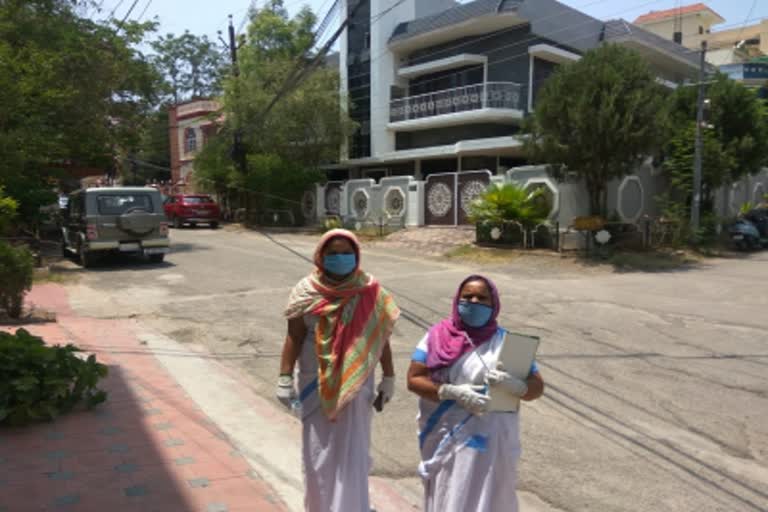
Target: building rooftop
[(453, 16), (655, 16), (617, 30)]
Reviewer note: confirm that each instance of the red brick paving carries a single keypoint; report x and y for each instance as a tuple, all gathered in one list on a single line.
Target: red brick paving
[(142, 450)]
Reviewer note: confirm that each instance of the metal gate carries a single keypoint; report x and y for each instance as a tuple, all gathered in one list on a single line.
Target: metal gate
[(447, 196), (333, 198)]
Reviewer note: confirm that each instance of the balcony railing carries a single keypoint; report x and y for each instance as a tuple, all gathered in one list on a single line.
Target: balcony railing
[(497, 95)]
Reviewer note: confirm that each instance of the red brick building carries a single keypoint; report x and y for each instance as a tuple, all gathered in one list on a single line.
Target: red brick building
[(190, 125)]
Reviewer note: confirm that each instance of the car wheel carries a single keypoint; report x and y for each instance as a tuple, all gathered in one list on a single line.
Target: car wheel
[(156, 258), (214, 225), (87, 258), (177, 223)]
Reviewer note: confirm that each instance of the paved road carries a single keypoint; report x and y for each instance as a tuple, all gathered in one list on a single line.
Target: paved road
[(657, 395)]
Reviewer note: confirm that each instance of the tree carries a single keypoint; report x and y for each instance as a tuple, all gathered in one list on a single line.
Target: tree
[(717, 164), (8, 208), (152, 154), (72, 93), (734, 137), (301, 132), (192, 66), (599, 117)]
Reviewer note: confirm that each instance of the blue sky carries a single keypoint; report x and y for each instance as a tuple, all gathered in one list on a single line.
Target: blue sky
[(206, 17)]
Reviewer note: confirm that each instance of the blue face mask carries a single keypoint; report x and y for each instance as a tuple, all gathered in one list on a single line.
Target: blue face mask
[(474, 314), (339, 264)]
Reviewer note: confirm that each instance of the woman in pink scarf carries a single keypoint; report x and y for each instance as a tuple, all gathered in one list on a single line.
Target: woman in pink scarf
[(468, 454)]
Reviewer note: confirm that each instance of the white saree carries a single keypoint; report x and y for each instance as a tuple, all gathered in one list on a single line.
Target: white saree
[(468, 462), (335, 455)]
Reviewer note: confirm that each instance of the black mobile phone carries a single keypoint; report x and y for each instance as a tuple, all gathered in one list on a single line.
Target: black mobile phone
[(378, 404)]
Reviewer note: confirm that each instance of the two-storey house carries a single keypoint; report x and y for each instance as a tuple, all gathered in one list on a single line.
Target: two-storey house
[(438, 87)]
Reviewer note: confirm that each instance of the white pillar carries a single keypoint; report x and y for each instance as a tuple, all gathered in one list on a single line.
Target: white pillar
[(384, 66), (530, 84)]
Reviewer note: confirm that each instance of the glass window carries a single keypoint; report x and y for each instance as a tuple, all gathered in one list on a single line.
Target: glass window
[(197, 199), (117, 204), (190, 140)]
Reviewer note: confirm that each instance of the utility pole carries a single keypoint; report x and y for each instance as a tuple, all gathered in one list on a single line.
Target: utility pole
[(697, 156), (238, 149)]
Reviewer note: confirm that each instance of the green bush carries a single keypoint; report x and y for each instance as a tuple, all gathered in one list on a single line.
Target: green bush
[(8, 209), (333, 222), (17, 267), (746, 208), (41, 382), (501, 204)]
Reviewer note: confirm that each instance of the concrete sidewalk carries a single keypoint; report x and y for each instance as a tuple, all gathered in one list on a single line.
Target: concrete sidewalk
[(180, 431), (149, 447)]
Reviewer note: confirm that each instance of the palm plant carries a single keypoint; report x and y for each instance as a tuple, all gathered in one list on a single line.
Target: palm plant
[(509, 202), (746, 208)]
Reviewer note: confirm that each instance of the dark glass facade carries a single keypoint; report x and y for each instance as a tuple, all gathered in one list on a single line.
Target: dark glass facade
[(359, 77)]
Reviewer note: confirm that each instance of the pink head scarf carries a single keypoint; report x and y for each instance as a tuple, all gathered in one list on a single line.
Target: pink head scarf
[(447, 339)]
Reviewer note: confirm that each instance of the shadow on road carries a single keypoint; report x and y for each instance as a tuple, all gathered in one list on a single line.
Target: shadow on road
[(180, 247), (652, 262)]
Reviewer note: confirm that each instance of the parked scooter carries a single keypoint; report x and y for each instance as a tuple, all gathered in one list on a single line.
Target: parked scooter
[(744, 235), (759, 217)]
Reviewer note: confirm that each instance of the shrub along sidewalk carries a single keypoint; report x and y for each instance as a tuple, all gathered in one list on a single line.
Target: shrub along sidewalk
[(148, 446)]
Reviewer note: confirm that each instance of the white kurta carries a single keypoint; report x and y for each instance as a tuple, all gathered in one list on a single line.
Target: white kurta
[(468, 462), (335, 455)]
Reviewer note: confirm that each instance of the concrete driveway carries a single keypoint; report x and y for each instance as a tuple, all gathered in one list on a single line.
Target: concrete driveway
[(657, 396)]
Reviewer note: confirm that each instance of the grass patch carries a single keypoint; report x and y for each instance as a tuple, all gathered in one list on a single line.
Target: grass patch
[(53, 275), (475, 254), (372, 234), (652, 261)]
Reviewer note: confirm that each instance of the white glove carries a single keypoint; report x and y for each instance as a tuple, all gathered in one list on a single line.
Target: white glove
[(386, 388), (285, 391), (501, 379), (466, 395)]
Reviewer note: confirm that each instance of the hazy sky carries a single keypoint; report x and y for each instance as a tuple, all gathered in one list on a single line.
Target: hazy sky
[(208, 16)]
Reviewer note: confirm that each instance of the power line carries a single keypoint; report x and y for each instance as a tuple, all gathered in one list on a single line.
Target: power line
[(252, 5), (144, 11), (298, 74), (565, 8), (127, 14), (743, 26), (248, 11), (111, 14), (524, 41), (506, 59), (332, 12)]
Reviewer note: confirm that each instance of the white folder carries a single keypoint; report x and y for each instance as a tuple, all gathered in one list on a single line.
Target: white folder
[(518, 352)]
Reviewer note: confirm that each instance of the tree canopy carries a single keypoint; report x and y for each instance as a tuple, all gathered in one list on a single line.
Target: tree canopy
[(192, 66), (734, 136), (303, 130), (599, 117), (72, 90)]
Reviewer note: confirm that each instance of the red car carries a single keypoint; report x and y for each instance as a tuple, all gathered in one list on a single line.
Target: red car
[(192, 209)]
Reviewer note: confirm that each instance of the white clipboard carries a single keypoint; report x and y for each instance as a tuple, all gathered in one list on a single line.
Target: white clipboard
[(517, 354)]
